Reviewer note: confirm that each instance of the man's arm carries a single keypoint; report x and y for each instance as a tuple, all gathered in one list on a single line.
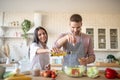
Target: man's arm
[(60, 41), (63, 39), (91, 55)]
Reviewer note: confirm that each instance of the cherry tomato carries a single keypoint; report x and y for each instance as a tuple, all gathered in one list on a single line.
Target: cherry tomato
[(53, 76)]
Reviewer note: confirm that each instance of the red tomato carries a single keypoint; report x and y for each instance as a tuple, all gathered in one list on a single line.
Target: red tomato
[(52, 72), (45, 74), (49, 73), (53, 76)]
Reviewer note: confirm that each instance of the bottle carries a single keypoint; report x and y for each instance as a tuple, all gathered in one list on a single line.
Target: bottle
[(17, 68), (36, 70), (48, 67)]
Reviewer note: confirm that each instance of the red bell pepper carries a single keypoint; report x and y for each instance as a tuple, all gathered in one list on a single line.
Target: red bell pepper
[(110, 73)]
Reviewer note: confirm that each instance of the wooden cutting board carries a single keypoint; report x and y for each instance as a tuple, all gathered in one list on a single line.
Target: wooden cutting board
[(102, 64)]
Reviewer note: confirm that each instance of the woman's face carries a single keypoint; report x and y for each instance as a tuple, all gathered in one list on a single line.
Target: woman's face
[(42, 36)]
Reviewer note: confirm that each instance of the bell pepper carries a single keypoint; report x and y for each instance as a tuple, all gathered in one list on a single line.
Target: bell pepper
[(110, 73)]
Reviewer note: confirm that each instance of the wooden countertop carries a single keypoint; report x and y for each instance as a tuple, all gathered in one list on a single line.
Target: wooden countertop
[(62, 76), (102, 64), (7, 65), (97, 64)]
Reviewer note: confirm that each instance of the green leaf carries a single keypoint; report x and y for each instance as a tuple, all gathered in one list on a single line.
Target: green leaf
[(26, 25)]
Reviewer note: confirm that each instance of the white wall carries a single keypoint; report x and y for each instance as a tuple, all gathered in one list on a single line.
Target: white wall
[(57, 22)]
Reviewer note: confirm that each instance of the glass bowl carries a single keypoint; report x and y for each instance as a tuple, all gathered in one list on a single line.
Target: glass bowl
[(74, 71)]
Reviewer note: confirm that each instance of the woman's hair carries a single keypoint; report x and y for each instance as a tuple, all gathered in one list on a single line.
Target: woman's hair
[(35, 39), (76, 18)]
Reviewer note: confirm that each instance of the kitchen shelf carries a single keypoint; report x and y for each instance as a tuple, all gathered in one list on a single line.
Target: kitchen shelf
[(102, 64), (56, 65), (107, 50), (11, 37), (11, 27), (8, 65)]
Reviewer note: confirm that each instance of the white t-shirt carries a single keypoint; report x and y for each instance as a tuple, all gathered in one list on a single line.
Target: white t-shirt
[(43, 58)]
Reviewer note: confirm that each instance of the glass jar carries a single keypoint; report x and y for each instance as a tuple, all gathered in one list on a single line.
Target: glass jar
[(36, 70)]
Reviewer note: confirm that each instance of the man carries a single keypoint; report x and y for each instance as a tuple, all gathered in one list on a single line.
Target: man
[(78, 45)]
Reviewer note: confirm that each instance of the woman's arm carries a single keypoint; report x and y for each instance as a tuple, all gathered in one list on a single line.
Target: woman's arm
[(35, 49), (41, 51)]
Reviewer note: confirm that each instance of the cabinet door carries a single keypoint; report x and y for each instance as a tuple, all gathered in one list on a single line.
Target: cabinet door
[(90, 31), (104, 39), (108, 39), (114, 42), (101, 38)]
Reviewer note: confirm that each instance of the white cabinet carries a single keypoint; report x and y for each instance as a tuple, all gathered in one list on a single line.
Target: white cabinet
[(104, 39)]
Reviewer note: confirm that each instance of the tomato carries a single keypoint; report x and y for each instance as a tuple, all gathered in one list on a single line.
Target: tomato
[(52, 72), (53, 76), (49, 73), (45, 74)]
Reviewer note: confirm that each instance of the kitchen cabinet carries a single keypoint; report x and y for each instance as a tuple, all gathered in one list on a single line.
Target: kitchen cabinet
[(104, 39)]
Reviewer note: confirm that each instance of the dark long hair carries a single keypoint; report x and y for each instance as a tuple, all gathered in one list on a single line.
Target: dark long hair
[(35, 39)]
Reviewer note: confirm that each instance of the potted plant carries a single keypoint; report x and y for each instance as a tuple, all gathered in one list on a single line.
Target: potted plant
[(26, 25)]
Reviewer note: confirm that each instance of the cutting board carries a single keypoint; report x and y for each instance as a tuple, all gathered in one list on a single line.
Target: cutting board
[(103, 64)]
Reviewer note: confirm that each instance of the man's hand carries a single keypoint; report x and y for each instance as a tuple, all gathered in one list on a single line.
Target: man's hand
[(71, 39), (87, 60), (83, 61), (55, 50)]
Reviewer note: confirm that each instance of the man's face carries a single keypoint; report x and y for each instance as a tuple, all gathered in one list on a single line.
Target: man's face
[(75, 27)]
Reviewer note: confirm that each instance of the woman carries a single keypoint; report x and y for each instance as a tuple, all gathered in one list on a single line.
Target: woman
[(39, 52)]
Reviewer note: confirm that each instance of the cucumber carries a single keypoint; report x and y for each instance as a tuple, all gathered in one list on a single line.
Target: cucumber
[(8, 74), (2, 71)]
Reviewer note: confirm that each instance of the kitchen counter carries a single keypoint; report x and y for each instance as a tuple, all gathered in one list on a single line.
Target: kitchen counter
[(62, 76), (102, 64)]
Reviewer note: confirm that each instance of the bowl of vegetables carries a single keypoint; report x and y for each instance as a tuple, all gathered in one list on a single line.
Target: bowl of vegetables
[(74, 71), (92, 72)]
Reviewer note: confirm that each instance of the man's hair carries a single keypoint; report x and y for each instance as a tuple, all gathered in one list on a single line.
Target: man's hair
[(76, 18)]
